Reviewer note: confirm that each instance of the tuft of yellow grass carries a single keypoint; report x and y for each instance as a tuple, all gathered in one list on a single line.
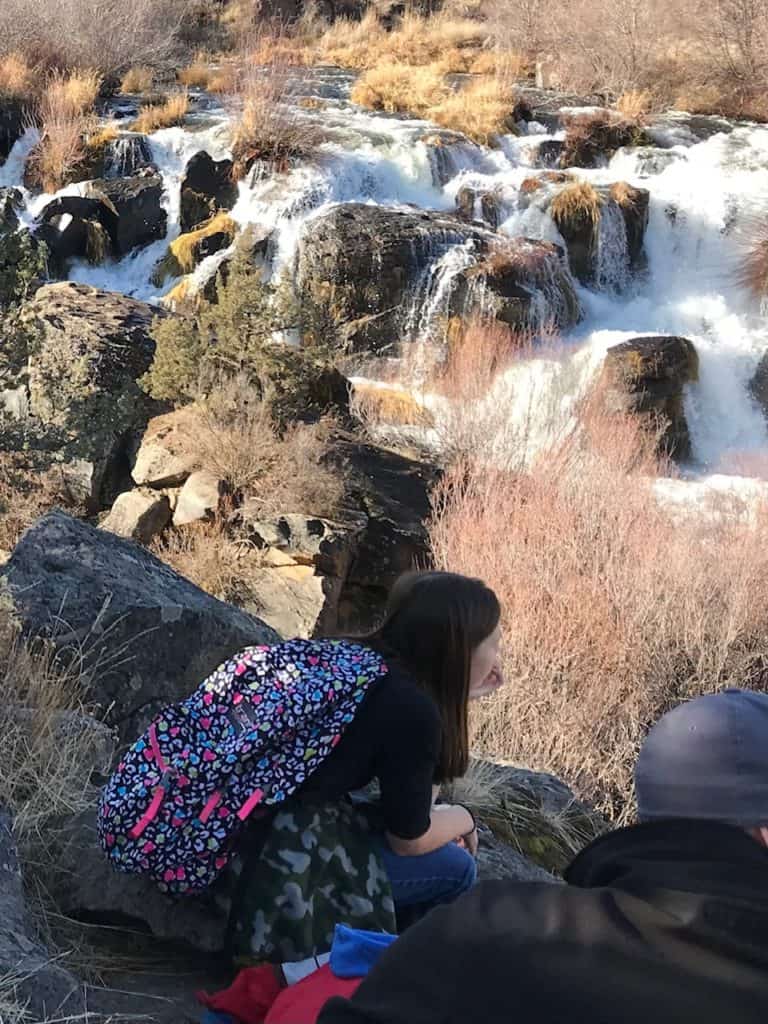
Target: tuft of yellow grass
[(223, 80), (137, 80), (635, 104), (182, 252), (377, 405), (163, 115), (482, 110), (65, 116), (577, 202), (400, 88), (198, 74), (18, 78)]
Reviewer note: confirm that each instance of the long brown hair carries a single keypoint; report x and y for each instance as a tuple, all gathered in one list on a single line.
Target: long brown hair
[(433, 623)]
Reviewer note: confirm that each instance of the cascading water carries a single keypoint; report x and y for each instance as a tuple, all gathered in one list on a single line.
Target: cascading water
[(701, 192)]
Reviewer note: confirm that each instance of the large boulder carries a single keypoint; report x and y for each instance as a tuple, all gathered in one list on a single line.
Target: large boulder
[(127, 155), (208, 188), (77, 228), (138, 203), (591, 139), (162, 458), (83, 353), (139, 515), (758, 385), (646, 377), (390, 495), (31, 979), (148, 636), (603, 226), (361, 270), (88, 888)]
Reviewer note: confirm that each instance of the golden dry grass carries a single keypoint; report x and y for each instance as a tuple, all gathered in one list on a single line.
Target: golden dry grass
[(482, 109), (182, 256), (635, 104), (224, 79), (577, 202), (163, 115), (137, 80), (378, 406), (66, 118), (18, 78), (198, 74)]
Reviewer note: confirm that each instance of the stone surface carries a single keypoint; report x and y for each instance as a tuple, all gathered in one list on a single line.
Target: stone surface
[(592, 139), (646, 377), (162, 459), (389, 494), (138, 203), (86, 351), (12, 125), (139, 515), (758, 385), (127, 155), (23, 260), (92, 890), (77, 228), (148, 636), (198, 499), (46, 989), (358, 269), (207, 189), (498, 860)]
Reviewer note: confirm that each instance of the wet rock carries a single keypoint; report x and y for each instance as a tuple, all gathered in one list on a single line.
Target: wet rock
[(359, 268), (198, 499), (549, 153), (650, 161), (11, 204), (473, 205), (84, 353), (162, 458), (139, 515), (127, 155), (592, 139), (758, 385), (30, 977), (149, 636), (646, 377), (207, 189), (77, 228), (138, 204), (504, 286), (11, 126), (449, 153), (499, 860)]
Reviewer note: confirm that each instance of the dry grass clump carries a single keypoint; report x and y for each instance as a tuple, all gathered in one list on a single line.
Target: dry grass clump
[(608, 619), (269, 129), (211, 557), (401, 88), (65, 115), (236, 438), (184, 252), (137, 80), (576, 203), (27, 491), (482, 109), (198, 74), (376, 406), (18, 78), (635, 103), (163, 115)]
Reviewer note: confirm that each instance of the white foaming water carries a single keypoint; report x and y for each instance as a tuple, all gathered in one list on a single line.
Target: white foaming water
[(702, 194)]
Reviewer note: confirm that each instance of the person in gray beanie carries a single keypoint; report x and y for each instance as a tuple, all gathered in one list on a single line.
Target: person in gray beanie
[(665, 921)]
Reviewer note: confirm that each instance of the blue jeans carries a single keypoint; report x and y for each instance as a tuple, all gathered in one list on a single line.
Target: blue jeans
[(432, 878)]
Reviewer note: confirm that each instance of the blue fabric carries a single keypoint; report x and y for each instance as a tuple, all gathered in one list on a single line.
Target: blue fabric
[(212, 1017), (430, 879), (354, 952)]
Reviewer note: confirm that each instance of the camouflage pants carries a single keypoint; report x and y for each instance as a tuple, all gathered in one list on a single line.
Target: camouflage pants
[(318, 868)]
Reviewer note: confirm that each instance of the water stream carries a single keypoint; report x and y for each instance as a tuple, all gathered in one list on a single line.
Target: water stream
[(703, 195)]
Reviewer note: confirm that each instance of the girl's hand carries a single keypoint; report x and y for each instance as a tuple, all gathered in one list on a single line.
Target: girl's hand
[(469, 842)]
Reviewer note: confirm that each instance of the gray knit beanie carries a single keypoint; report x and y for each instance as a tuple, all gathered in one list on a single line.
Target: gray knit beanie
[(708, 758)]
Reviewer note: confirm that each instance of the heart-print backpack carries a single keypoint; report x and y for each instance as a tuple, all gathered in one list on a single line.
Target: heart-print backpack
[(246, 739)]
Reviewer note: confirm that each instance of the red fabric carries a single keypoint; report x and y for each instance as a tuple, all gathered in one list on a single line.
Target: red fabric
[(302, 1003), (248, 998)]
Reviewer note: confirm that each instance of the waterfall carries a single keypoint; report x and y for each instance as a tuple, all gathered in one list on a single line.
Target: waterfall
[(612, 255)]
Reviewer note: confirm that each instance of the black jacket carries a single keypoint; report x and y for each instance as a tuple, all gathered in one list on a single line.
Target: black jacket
[(663, 923)]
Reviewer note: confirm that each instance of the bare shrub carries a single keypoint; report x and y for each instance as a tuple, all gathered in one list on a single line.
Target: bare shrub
[(27, 491), (235, 437), (613, 612), (163, 115), (108, 35), (752, 272), (269, 128)]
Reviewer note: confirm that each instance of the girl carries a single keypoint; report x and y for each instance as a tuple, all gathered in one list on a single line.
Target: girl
[(440, 640)]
